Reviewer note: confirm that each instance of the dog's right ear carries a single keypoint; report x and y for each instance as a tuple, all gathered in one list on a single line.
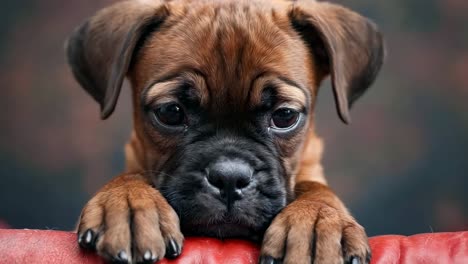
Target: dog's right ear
[(346, 45), (100, 51)]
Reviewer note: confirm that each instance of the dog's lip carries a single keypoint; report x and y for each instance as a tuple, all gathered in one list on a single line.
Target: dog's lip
[(218, 225), (224, 222), (220, 230), (227, 221)]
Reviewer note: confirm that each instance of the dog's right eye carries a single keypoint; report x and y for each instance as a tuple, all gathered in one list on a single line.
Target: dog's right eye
[(171, 114), (284, 118)]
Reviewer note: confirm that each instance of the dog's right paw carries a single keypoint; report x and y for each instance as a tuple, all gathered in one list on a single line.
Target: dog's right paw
[(129, 221)]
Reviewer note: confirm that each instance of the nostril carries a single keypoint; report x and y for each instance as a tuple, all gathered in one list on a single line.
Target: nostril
[(215, 180), (243, 181)]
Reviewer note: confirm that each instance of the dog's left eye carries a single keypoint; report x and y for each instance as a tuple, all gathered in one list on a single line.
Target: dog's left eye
[(170, 114), (284, 118)]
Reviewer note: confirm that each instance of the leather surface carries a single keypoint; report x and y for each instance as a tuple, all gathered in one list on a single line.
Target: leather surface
[(40, 246)]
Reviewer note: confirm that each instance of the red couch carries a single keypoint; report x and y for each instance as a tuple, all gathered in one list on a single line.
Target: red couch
[(37, 246)]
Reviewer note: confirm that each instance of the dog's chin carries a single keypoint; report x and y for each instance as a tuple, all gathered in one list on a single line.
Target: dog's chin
[(223, 231), (224, 226)]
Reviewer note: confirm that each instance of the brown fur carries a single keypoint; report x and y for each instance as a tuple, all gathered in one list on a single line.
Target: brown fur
[(293, 43)]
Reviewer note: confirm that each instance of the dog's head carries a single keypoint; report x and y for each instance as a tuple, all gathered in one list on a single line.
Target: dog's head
[(223, 95)]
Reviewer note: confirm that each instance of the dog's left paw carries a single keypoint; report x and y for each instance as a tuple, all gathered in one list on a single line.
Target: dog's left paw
[(309, 231)]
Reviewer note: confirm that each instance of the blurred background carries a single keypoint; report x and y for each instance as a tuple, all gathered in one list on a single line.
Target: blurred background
[(401, 166)]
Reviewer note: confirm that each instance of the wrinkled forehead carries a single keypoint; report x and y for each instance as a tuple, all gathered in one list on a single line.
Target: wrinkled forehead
[(231, 52)]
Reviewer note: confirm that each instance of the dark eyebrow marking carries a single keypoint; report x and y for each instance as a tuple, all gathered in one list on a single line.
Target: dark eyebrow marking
[(187, 94), (269, 96)]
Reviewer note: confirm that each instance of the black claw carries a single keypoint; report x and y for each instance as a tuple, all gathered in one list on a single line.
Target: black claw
[(122, 257), (268, 260), (87, 239), (173, 250), (355, 260)]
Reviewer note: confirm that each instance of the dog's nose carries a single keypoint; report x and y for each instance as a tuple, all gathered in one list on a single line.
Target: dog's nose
[(230, 176)]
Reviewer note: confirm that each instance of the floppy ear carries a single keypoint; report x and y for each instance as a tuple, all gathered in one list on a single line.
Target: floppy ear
[(100, 51), (345, 45)]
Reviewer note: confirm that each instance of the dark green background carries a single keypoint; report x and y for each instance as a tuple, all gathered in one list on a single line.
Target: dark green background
[(401, 166)]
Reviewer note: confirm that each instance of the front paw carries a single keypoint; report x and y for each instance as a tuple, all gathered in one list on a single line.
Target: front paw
[(313, 232), (129, 221)]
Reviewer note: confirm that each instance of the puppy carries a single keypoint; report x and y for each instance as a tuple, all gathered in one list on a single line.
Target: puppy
[(223, 140)]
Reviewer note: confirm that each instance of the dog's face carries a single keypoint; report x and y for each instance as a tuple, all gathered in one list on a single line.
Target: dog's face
[(223, 94), (225, 105)]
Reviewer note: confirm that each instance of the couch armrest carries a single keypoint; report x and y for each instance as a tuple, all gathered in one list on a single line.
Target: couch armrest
[(39, 246)]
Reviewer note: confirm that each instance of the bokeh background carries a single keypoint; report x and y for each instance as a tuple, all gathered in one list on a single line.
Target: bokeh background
[(401, 166)]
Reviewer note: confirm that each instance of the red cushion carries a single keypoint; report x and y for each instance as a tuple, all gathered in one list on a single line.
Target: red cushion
[(37, 246)]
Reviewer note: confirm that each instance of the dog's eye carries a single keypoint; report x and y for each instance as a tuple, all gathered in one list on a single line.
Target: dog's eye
[(170, 114), (284, 118)]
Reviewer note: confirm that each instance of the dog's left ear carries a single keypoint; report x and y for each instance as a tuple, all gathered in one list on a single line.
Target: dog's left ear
[(345, 45), (100, 51)]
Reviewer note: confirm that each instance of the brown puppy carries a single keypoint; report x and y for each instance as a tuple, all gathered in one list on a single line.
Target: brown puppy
[(223, 141)]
